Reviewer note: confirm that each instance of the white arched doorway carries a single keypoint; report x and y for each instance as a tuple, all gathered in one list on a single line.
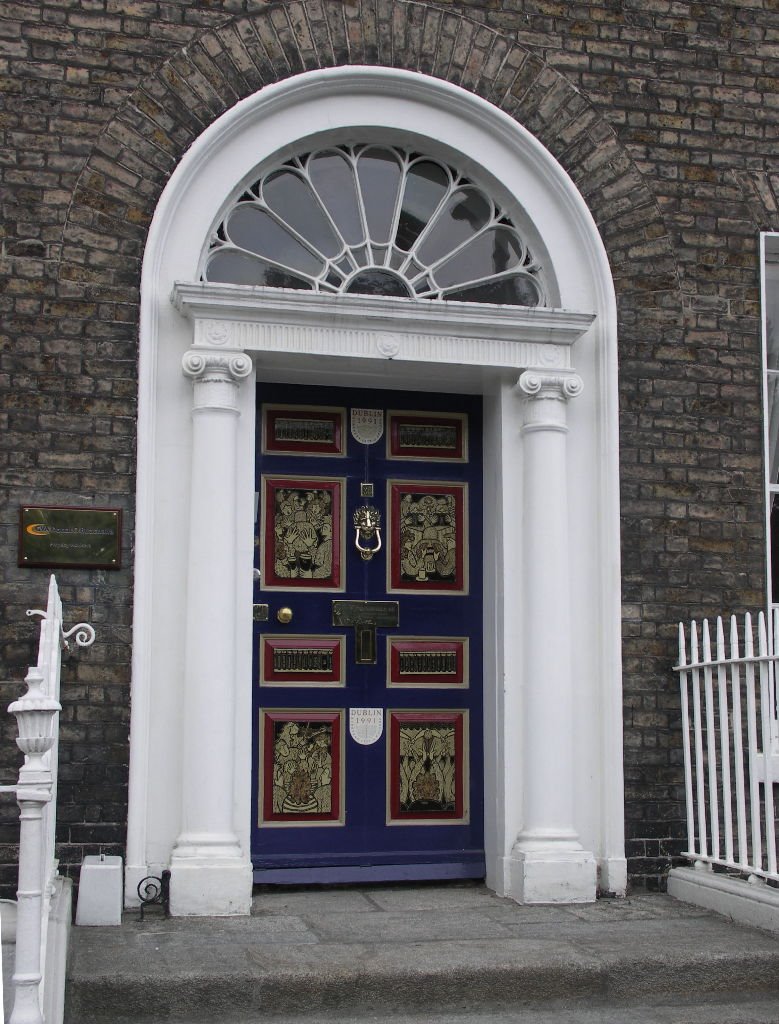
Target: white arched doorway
[(553, 819)]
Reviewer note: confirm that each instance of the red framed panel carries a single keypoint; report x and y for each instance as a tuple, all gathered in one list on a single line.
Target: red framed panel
[(427, 767), (301, 768), (432, 437), (303, 430), (427, 661), (302, 533), (301, 660), (428, 537)]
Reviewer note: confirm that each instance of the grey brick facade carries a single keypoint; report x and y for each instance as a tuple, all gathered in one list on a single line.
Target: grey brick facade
[(664, 113)]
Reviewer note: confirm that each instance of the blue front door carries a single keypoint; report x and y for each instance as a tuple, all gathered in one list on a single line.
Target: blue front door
[(367, 646)]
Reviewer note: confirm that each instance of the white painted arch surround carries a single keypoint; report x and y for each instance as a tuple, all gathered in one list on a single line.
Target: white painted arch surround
[(542, 595)]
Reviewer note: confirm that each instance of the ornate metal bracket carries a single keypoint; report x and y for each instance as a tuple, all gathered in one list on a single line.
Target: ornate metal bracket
[(85, 634), (155, 892)]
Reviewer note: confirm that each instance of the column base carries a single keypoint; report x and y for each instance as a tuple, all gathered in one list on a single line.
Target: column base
[(553, 876), (209, 877), (210, 888)]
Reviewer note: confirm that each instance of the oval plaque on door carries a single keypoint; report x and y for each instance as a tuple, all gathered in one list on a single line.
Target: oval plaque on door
[(366, 725), (367, 425)]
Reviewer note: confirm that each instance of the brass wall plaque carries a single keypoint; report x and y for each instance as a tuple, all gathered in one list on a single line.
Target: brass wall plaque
[(70, 538)]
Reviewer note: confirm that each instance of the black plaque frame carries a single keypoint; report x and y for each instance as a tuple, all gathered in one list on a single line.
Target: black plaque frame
[(90, 538)]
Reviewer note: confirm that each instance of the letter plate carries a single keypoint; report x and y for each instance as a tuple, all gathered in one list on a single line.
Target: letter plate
[(365, 616)]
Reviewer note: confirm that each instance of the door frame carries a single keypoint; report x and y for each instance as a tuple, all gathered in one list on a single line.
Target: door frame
[(537, 416)]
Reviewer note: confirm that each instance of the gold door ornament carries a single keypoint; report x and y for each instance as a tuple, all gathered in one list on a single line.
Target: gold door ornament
[(367, 531)]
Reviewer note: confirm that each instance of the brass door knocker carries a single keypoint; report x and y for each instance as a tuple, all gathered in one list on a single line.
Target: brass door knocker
[(367, 528)]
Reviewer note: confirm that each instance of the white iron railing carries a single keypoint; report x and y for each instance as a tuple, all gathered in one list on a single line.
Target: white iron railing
[(731, 745), (36, 793)]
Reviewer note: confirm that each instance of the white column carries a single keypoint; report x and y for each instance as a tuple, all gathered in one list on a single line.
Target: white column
[(210, 873), (548, 864)]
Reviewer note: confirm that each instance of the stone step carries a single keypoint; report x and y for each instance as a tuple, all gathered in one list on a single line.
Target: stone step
[(335, 956), (714, 1010)]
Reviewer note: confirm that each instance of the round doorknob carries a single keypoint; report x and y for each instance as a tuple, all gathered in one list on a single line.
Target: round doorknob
[(284, 615)]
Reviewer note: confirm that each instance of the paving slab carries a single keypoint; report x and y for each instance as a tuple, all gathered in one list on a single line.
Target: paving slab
[(312, 901), (422, 898), (405, 928), (422, 951)]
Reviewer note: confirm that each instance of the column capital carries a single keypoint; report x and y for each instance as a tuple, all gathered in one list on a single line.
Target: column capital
[(207, 366), (546, 398), (560, 385), (216, 376)]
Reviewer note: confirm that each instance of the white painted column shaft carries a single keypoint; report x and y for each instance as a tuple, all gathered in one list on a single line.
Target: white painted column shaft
[(210, 874)]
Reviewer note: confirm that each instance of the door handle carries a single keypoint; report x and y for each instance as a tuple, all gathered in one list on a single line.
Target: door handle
[(367, 528)]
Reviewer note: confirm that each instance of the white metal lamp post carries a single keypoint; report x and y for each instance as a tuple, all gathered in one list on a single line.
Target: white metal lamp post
[(35, 716)]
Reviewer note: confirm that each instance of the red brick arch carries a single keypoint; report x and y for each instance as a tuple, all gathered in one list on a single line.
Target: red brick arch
[(131, 161)]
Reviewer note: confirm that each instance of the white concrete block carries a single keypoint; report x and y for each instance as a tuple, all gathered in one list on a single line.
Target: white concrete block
[(100, 891)]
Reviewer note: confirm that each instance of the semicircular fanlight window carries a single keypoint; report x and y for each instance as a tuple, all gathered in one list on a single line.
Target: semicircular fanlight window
[(374, 220)]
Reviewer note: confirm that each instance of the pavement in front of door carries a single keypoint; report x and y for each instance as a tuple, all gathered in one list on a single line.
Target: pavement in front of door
[(454, 953)]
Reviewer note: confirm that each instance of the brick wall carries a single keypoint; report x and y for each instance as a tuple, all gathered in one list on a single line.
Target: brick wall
[(664, 113)]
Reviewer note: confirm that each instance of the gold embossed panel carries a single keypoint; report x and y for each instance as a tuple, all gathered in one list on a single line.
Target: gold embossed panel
[(427, 767), (302, 533), (428, 548), (301, 767)]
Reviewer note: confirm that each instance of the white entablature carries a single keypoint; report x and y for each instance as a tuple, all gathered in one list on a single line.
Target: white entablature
[(381, 327)]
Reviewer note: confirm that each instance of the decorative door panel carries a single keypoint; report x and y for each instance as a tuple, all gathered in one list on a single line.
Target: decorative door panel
[(427, 767), (303, 431), (427, 436), (287, 660), (301, 774), (367, 650), (428, 542), (302, 532), (435, 661)]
